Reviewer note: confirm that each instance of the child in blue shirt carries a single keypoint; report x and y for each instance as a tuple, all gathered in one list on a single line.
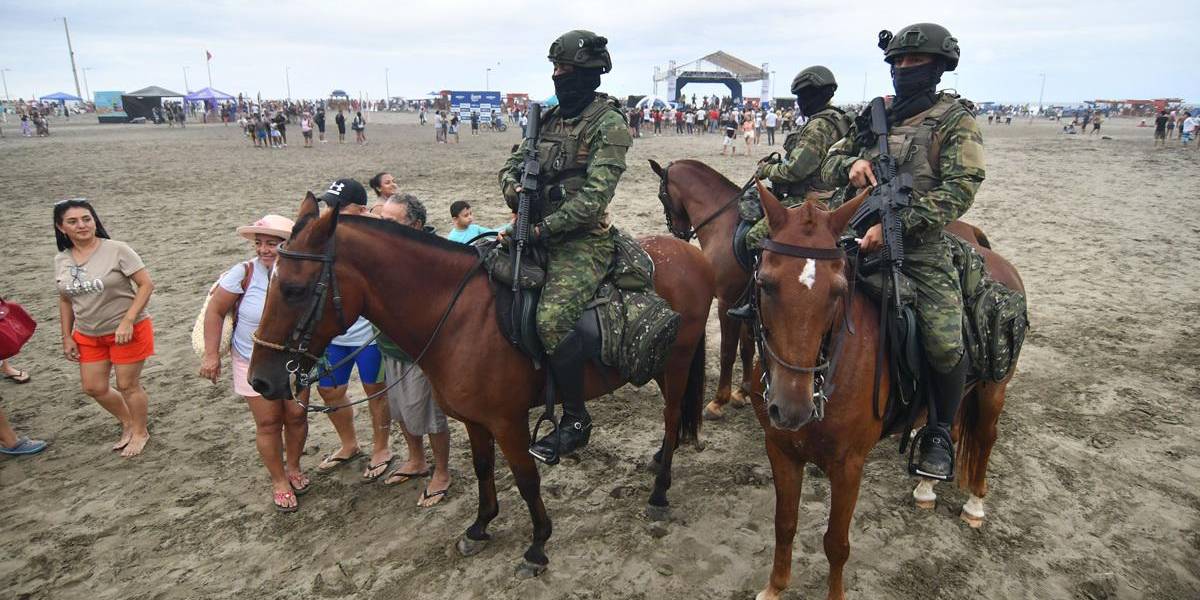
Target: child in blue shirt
[(464, 223)]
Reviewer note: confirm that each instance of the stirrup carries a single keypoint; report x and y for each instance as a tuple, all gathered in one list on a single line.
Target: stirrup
[(552, 457), (913, 468)]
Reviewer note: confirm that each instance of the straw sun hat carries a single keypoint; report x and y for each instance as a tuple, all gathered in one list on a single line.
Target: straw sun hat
[(274, 225)]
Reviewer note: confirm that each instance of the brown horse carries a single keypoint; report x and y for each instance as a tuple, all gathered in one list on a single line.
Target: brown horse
[(428, 295), (692, 192), (804, 297)]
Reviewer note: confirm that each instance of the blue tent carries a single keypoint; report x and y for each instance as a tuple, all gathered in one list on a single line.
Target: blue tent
[(207, 94), (62, 98)]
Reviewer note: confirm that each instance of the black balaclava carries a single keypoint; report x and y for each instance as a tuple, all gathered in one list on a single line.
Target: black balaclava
[(575, 90), (915, 88), (811, 101)]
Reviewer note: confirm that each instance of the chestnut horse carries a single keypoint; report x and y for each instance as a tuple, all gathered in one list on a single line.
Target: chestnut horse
[(804, 297), (430, 296), (693, 192)]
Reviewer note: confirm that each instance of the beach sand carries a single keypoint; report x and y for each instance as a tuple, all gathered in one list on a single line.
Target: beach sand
[(1095, 479)]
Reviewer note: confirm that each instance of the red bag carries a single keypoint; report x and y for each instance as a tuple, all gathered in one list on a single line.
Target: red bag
[(16, 327)]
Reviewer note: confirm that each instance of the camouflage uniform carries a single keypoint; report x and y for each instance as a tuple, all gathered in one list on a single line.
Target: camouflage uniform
[(582, 160), (799, 173), (943, 150)]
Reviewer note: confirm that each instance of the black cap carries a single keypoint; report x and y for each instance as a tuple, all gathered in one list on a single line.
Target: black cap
[(345, 191)]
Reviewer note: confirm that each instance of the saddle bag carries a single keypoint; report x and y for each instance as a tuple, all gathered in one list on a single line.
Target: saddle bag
[(497, 260), (997, 319), (750, 206), (632, 269), (637, 329)]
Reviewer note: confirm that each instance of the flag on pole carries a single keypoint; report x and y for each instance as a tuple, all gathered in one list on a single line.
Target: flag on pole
[(208, 54)]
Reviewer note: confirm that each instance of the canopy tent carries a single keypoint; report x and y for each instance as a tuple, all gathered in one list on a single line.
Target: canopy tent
[(207, 94), (339, 94), (61, 97), (649, 102), (142, 103)]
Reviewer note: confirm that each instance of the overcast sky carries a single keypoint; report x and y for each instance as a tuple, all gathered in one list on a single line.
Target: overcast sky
[(1094, 49)]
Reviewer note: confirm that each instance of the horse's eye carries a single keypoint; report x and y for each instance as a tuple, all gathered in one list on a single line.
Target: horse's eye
[(293, 293), (767, 286)]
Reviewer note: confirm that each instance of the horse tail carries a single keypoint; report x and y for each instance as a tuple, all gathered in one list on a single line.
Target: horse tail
[(968, 458), (693, 396)]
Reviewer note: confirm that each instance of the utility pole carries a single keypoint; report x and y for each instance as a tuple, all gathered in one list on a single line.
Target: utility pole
[(864, 88), (7, 98), (186, 87), (287, 78), (387, 86), (487, 79), (85, 84), (71, 51), (208, 65), (1041, 93)]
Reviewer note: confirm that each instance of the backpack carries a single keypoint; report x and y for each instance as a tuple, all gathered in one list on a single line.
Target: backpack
[(230, 318)]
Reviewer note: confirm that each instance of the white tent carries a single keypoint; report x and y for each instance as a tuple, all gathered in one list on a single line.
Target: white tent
[(653, 101)]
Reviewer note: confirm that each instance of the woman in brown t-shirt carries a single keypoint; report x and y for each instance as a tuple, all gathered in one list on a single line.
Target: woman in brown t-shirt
[(103, 291)]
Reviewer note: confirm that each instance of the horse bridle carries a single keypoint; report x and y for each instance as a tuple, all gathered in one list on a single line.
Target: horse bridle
[(825, 369), (664, 197), (297, 343)]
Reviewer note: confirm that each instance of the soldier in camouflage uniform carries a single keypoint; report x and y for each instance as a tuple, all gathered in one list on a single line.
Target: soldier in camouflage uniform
[(799, 173), (934, 137), (581, 149)]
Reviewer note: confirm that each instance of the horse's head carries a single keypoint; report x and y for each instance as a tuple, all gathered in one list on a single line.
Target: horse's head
[(801, 286), (678, 221), (299, 316)]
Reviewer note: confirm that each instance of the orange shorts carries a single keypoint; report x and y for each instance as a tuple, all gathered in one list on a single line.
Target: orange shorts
[(95, 348)]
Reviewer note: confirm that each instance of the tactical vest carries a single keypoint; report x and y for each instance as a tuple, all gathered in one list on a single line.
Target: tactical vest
[(915, 147), (563, 152), (814, 183)]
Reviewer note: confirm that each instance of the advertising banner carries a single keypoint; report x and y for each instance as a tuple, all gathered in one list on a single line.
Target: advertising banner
[(484, 103)]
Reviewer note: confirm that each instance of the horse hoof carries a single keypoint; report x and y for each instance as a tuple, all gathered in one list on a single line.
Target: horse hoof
[(658, 513), (738, 398), (713, 412), (926, 504), (974, 522), (469, 547), (529, 570)]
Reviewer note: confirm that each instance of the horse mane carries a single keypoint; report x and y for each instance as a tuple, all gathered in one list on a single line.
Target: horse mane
[(704, 166), (404, 231)]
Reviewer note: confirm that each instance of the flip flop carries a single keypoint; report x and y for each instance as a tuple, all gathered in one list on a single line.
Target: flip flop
[(24, 446), (331, 462), (20, 377), (426, 495), (405, 476), (299, 491), (283, 496), (382, 470)]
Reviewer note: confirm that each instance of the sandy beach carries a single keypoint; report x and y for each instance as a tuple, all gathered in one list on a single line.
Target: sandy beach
[(1094, 482)]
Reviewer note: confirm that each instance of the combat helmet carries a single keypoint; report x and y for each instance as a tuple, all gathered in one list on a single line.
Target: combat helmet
[(582, 49), (922, 38), (813, 77)]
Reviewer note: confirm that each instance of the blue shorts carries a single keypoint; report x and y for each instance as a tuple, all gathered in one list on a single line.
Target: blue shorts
[(368, 362)]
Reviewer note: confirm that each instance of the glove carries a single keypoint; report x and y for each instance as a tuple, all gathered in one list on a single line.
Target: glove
[(510, 196)]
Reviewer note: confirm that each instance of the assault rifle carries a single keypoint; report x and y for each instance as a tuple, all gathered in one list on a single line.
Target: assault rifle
[(891, 194), (527, 202)]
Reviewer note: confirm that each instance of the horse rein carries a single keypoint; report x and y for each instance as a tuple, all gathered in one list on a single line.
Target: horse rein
[(664, 196), (826, 368), (297, 344)]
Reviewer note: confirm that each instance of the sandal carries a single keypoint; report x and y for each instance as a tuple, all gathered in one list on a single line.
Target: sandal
[(397, 478), (281, 497), (331, 462), (379, 470), (299, 478), (18, 377), (427, 495)]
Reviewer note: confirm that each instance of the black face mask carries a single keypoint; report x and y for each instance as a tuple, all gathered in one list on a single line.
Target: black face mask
[(811, 101), (575, 90), (915, 81)]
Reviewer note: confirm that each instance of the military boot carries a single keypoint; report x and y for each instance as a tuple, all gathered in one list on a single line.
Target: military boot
[(575, 428), (937, 449), (744, 312)]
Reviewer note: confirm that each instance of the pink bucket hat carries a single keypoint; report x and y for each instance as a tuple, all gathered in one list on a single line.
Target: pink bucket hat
[(274, 225)]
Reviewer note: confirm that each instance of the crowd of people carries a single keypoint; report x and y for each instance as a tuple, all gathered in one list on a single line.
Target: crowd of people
[(104, 291), (751, 124), (1176, 124)]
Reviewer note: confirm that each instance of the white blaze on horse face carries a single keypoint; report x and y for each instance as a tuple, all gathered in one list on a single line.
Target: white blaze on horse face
[(808, 275)]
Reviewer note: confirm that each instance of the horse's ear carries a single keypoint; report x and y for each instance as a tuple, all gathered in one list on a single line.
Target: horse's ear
[(840, 217), (776, 212), (308, 207), (657, 168)]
